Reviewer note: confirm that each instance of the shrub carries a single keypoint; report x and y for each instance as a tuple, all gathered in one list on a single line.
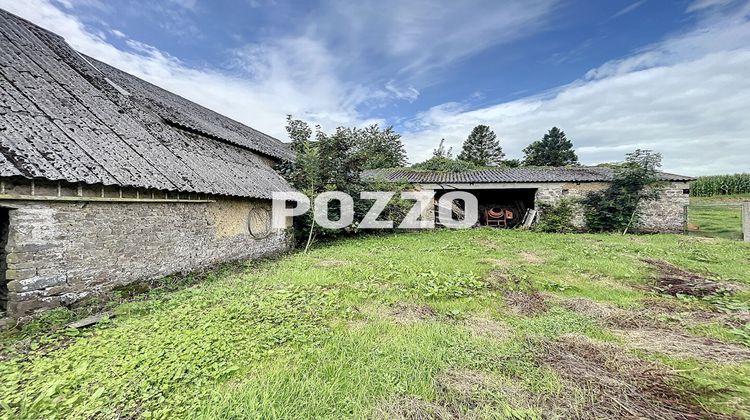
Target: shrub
[(556, 218)]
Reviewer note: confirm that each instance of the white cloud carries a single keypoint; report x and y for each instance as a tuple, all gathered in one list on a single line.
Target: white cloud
[(629, 8), (698, 5), (687, 97), (415, 36)]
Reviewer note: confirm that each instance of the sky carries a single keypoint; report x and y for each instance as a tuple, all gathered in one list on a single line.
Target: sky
[(668, 75)]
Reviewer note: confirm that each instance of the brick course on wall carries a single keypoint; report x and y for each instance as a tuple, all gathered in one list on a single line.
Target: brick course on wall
[(59, 253), (666, 214)]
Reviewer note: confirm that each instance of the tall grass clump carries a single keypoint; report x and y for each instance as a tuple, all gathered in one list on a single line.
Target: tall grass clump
[(707, 186)]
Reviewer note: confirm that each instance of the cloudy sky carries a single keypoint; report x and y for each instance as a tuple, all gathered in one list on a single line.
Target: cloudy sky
[(668, 75)]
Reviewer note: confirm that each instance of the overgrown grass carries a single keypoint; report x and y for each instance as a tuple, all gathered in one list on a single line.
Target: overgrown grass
[(717, 216), (315, 335)]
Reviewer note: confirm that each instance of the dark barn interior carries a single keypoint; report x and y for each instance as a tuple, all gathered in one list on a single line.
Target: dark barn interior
[(508, 206)]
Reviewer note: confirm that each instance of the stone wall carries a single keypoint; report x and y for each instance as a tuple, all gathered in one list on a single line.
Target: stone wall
[(59, 253), (667, 214)]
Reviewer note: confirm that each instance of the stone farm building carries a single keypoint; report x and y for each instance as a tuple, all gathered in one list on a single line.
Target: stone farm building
[(106, 179), (523, 188)]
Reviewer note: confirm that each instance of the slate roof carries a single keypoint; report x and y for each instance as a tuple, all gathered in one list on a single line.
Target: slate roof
[(67, 117), (506, 175)]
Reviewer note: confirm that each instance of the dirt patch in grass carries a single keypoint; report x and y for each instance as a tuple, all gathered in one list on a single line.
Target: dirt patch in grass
[(331, 263), (485, 327), (607, 315), (642, 330), (526, 303), (672, 280), (410, 408), (488, 244), (500, 279), (496, 262), (408, 313), (676, 344), (467, 393), (461, 394), (613, 384), (531, 258)]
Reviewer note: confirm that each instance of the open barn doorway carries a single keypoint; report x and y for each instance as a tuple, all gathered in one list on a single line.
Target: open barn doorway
[(501, 207), (4, 228)]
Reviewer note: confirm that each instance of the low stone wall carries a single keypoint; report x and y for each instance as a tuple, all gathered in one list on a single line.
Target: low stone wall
[(59, 253), (666, 214)]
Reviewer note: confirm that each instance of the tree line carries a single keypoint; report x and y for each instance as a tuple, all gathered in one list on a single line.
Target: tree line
[(482, 149)]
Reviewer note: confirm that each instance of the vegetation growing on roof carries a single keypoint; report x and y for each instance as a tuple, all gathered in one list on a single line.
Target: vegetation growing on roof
[(442, 160)]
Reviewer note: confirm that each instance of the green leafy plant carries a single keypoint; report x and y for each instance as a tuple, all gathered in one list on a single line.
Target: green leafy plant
[(634, 181), (556, 218)]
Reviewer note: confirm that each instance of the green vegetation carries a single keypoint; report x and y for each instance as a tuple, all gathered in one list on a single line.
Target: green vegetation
[(442, 160), (707, 186), (481, 322), (718, 216), (554, 149), (557, 218), (634, 181), (482, 147)]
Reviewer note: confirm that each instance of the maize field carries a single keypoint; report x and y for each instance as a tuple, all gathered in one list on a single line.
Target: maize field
[(707, 186)]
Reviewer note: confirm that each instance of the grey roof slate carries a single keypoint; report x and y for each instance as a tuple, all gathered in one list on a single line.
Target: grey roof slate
[(505, 175), (62, 119)]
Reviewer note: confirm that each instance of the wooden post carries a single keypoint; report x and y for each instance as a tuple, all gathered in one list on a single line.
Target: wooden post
[(746, 220)]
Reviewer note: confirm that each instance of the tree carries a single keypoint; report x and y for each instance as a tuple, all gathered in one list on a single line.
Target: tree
[(331, 162), (380, 148), (634, 181), (554, 149), (482, 147), (442, 161), (442, 152)]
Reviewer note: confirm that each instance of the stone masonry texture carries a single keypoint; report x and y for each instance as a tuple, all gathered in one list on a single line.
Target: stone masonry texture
[(666, 214), (59, 253)]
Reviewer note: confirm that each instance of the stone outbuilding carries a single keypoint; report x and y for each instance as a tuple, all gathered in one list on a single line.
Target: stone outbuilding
[(525, 188), (106, 179)]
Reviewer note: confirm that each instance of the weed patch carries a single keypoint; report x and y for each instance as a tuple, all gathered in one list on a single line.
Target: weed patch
[(488, 328), (407, 313), (681, 345), (675, 281), (611, 383)]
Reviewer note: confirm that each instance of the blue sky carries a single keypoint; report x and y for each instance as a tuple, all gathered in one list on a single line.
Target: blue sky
[(616, 75)]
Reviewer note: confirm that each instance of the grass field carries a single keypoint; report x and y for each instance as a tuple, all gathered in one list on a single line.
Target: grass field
[(447, 324), (717, 216)]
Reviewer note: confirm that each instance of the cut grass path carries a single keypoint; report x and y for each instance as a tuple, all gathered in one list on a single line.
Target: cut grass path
[(372, 327)]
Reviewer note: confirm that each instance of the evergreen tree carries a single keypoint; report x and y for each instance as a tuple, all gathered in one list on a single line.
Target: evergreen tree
[(482, 147), (554, 149)]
